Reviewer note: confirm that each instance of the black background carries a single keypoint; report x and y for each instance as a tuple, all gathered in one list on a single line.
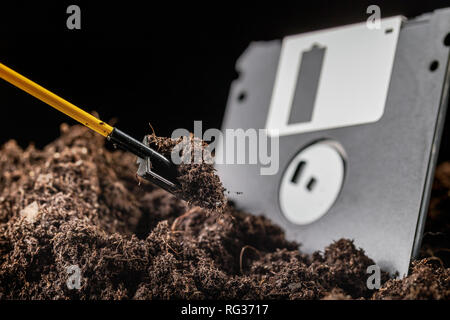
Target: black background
[(139, 63)]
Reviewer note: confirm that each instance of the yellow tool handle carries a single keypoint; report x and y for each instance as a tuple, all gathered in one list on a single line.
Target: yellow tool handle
[(53, 100)]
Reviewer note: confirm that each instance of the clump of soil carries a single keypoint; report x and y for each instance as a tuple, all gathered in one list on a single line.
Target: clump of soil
[(436, 241), (76, 203), (200, 185), (428, 280)]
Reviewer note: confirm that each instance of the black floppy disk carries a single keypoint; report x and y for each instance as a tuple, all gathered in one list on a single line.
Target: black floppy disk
[(359, 114)]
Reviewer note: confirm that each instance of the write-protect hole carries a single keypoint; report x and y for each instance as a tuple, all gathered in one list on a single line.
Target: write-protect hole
[(447, 40), (434, 65), (387, 31), (242, 96)]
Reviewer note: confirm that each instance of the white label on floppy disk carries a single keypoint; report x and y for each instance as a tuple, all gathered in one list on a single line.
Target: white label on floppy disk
[(344, 81)]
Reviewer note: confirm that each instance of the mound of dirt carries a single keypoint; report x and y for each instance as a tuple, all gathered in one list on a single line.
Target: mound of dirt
[(77, 204)]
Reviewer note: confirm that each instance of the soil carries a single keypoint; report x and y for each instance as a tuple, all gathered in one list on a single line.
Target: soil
[(76, 203), (200, 186)]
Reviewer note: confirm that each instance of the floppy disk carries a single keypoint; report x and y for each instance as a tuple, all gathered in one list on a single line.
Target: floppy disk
[(359, 114)]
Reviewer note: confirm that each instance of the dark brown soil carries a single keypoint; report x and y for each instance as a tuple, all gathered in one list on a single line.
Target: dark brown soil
[(200, 186), (75, 203)]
